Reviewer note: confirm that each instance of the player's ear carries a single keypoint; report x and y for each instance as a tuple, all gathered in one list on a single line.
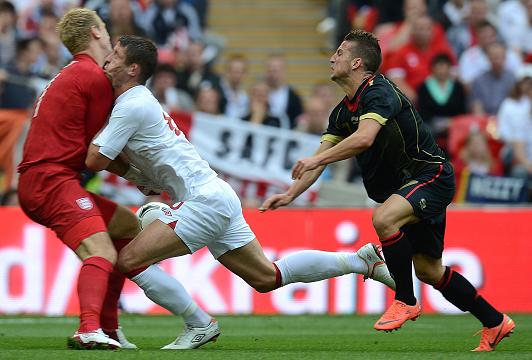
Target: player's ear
[(356, 63), (133, 70), (96, 32)]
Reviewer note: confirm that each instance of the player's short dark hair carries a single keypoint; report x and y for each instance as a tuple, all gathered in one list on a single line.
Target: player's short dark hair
[(140, 51), (367, 48)]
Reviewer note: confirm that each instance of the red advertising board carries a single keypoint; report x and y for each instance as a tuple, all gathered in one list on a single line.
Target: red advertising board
[(490, 247)]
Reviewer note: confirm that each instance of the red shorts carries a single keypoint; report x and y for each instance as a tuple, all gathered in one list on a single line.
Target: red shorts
[(52, 196)]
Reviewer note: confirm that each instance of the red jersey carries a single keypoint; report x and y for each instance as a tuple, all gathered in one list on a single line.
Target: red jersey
[(413, 64), (73, 107)]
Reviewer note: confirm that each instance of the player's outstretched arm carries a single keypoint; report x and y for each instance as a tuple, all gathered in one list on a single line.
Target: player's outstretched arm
[(353, 145), (297, 187)]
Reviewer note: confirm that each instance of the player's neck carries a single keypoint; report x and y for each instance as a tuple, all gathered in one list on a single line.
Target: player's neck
[(351, 84), (96, 53), (119, 90)]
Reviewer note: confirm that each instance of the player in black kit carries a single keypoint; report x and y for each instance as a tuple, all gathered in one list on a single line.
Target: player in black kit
[(403, 169)]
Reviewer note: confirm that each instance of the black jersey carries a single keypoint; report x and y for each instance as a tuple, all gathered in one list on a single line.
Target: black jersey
[(404, 147)]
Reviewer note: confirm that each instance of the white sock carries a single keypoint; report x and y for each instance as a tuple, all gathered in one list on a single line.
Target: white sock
[(313, 265), (166, 291)]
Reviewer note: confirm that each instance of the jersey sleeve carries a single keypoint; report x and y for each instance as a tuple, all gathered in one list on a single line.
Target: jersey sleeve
[(122, 125), (380, 103), (333, 133)]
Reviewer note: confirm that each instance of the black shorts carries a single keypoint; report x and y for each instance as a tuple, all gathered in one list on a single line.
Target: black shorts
[(429, 196)]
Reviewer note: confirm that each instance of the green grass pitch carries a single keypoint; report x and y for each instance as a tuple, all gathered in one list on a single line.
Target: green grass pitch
[(272, 337)]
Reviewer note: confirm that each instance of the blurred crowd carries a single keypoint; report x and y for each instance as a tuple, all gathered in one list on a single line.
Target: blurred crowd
[(466, 64)]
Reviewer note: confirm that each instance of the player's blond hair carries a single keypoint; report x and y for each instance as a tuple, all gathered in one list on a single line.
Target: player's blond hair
[(74, 28)]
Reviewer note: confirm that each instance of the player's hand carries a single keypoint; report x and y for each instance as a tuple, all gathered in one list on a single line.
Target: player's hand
[(148, 190), (275, 201), (304, 165)]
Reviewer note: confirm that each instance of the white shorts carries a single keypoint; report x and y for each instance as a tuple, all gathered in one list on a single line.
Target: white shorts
[(212, 218)]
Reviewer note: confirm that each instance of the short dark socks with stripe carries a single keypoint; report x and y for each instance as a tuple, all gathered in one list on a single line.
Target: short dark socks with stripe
[(461, 293), (398, 253)]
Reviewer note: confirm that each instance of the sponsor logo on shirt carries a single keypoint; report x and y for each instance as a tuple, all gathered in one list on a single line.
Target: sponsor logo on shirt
[(84, 203)]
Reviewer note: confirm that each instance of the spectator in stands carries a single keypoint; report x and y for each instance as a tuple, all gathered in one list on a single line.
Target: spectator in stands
[(208, 101), (8, 33), (491, 88), (454, 13), (166, 17), (259, 108), (202, 9), (410, 65), (515, 125), (54, 55), (441, 97), (393, 36), (476, 156), (235, 97), (17, 91), (31, 17), (163, 86), (315, 118), (514, 18), (463, 35), (196, 74), (120, 20), (474, 61), (326, 91), (284, 101)]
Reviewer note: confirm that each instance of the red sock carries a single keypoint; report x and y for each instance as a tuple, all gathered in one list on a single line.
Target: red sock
[(92, 287), (109, 315)]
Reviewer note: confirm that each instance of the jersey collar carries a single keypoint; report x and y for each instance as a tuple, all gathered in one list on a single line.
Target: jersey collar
[(352, 104)]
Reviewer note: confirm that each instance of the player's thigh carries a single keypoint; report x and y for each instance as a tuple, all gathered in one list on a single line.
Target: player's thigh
[(98, 244), (57, 200), (121, 222), (395, 212), (155, 243), (249, 263)]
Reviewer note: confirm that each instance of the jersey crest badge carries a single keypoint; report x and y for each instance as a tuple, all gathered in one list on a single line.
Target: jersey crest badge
[(423, 203), (84, 203)]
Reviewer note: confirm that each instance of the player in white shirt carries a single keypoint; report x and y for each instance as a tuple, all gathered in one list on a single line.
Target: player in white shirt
[(207, 212)]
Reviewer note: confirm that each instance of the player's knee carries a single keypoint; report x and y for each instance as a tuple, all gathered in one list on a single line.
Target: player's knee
[(106, 251), (126, 262), (264, 284), (381, 221)]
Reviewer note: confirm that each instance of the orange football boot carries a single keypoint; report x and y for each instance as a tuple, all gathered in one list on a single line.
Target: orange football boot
[(396, 315), (493, 336)]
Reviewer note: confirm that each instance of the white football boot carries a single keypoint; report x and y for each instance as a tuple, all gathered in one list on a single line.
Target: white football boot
[(94, 340), (194, 337), (119, 336), (377, 269)]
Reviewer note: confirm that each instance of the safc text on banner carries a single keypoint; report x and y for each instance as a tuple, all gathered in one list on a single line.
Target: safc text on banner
[(490, 247)]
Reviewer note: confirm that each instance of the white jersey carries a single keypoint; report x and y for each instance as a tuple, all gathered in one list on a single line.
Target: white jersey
[(153, 143)]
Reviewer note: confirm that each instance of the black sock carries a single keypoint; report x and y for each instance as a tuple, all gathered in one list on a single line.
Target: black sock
[(398, 253), (459, 292)]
